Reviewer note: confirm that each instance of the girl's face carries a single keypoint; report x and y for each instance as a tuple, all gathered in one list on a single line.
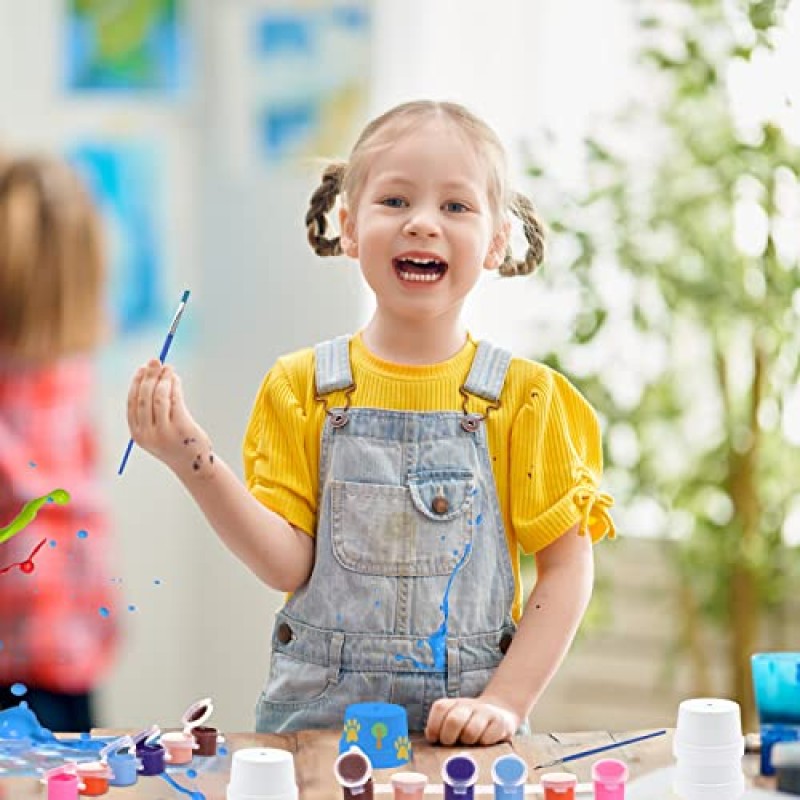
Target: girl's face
[(423, 229)]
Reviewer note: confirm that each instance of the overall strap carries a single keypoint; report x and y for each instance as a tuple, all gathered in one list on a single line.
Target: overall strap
[(488, 372), (332, 365)]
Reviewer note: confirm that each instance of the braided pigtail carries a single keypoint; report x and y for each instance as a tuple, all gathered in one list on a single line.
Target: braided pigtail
[(322, 201), (532, 226)]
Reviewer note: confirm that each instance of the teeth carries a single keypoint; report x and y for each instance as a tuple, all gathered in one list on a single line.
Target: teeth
[(426, 262), (413, 276)]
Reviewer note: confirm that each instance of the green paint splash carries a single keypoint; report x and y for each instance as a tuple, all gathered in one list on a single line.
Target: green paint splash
[(29, 511)]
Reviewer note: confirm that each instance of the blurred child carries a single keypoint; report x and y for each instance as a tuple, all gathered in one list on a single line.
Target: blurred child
[(57, 629)]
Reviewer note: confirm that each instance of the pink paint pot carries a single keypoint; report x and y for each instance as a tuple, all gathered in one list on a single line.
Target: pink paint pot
[(609, 776), (409, 785), (179, 746), (63, 783)]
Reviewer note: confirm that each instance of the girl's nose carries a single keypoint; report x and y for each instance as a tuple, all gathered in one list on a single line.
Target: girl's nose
[(422, 223)]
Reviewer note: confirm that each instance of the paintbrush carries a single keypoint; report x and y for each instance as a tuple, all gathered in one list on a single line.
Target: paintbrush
[(161, 356), (595, 750)]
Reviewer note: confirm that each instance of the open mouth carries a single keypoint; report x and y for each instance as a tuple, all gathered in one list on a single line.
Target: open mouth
[(419, 270)]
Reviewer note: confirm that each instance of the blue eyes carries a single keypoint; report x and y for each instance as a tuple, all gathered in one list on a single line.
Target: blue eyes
[(398, 202)]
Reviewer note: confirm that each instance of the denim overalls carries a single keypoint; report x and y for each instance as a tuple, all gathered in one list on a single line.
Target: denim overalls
[(409, 599)]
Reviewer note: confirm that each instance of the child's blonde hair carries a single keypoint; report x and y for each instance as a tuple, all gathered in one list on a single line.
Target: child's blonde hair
[(347, 178), (52, 263)]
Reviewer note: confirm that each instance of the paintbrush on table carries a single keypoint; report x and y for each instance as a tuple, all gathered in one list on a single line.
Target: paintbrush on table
[(595, 750)]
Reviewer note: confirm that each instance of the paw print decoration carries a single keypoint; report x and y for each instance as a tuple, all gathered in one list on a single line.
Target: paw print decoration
[(402, 748), (351, 729)]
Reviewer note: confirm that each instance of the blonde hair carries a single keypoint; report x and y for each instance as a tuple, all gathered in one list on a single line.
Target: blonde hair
[(52, 262), (346, 178)]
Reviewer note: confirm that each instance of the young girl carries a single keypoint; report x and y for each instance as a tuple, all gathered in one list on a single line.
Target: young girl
[(393, 476), (54, 574)]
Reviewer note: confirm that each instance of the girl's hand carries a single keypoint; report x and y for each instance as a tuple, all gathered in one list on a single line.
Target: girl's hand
[(470, 720), (161, 424)]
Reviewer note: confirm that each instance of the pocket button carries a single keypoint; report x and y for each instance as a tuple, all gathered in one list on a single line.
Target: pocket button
[(440, 504), (285, 634)]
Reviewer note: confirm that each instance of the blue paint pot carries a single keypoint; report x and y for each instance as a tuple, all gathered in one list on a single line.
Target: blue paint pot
[(459, 774), (125, 767), (509, 774)]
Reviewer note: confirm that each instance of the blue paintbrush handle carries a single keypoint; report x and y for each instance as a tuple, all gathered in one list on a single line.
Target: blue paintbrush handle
[(596, 750), (161, 357)]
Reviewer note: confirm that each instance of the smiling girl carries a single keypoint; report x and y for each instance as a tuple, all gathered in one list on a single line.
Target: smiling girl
[(394, 476)]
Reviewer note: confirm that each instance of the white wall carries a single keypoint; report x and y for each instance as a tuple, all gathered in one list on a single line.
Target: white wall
[(235, 237)]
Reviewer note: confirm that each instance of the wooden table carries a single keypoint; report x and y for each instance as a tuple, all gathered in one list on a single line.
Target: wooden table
[(315, 751)]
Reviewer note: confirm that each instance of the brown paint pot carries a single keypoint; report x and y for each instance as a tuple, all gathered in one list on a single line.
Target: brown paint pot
[(206, 740), (206, 737), (353, 771)]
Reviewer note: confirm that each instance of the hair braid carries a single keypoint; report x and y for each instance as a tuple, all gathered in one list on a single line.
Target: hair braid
[(322, 201), (532, 226)]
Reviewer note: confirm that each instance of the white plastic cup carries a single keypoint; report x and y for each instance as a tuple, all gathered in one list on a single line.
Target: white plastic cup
[(262, 773), (708, 773), (693, 754), (709, 791), (708, 722)]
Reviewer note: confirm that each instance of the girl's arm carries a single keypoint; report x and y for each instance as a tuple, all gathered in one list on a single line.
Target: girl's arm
[(565, 574), (281, 555)]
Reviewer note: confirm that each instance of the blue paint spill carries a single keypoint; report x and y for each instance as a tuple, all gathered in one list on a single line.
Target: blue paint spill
[(131, 608), (172, 782), (437, 641), (191, 773), (223, 751), (18, 689), (82, 534), (52, 543), (104, 612), (32, 464)]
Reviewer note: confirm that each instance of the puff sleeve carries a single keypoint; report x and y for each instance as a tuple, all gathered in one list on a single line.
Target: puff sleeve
[(276, 464), (556, 464)]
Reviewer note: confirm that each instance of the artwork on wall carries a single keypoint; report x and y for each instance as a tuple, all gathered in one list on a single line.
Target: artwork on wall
[(309, 77), (125, 180), (127, 45)]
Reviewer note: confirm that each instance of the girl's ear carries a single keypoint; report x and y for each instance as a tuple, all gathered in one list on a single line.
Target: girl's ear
[(498, 247), (347, 236)]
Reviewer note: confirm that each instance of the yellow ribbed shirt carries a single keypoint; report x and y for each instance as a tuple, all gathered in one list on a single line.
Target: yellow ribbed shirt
[(544, 441)]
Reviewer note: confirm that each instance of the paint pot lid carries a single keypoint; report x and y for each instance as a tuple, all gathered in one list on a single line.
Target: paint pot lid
[(70, 768), (509, 770), (352, 780), (453, 764), (197, 714), (177, 737), (116, 746), (94, 769), (147, 736), (559, 780), (786, 754)]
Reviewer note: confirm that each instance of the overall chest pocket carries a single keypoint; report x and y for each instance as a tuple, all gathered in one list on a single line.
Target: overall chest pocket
[(416, 530)]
